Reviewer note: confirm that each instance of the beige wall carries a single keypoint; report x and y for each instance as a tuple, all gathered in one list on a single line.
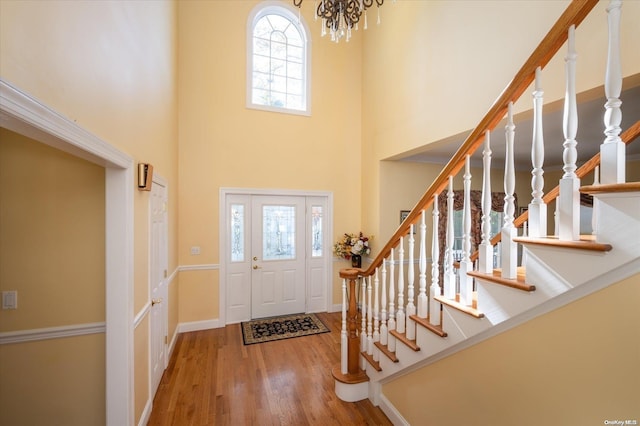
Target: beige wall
[(52, 221), (224, 144), (456, 58), (569, 367), (109, 66)]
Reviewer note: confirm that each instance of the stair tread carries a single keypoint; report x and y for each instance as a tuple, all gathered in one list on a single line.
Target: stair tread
[(459, 306), (437, 329), (519, 283), (586, 242), (385, 350), (371, 361), (403, 338), (608, 188)]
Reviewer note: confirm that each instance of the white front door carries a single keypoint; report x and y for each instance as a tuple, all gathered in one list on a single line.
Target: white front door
[(278, 256), (157, 283)]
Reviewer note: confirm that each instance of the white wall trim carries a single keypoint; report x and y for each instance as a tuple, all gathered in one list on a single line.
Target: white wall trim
[(185, 327), (141, 314), (203, 267), (146, 413), (28, 116), (47, 333), (391, 411)]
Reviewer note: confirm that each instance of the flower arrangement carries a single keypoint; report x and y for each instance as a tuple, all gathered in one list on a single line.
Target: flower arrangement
[(351, 244)]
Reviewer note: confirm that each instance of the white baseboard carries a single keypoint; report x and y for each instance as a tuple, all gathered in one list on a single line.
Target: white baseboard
[(146, 413), (185, 327), (391, 412)]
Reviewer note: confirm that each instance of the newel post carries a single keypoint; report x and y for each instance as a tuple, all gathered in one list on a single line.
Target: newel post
[(351, 385), (353, 341)]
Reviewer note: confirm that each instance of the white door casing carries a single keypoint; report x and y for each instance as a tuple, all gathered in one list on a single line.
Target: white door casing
[(236, 269)]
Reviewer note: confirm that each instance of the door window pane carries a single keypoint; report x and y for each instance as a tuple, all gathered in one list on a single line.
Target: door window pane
[(237, 233), (316, 231), (278, 232)]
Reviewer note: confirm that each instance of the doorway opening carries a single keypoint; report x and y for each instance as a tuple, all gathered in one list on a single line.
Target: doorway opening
[(275, 253)]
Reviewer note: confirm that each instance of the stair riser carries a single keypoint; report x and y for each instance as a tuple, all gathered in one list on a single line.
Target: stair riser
[(499, 303)]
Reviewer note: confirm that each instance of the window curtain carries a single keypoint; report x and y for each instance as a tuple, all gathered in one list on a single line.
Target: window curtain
[(497, 204)]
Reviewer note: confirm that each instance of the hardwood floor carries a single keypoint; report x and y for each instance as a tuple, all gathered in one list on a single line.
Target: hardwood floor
[(214, 379)]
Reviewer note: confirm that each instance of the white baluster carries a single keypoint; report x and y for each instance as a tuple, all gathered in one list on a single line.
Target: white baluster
[(525, 233), (363, 332), (344, 345), (422, 263), (485, 251), (449, 271), (595, 207), (384, 331), (411, 307), (612, 151), (466, 282), (400, 316), (391, 323), (370, 318), (537, 208), (376, 318), (434, 305), (569, 198), (509, 255)]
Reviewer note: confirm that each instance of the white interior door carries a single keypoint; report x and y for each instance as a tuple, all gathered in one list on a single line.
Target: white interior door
[(157, 283), (277, 255)]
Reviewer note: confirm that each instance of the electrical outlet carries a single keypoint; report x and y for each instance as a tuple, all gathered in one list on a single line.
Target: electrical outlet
[(195, 250), (10, 299)]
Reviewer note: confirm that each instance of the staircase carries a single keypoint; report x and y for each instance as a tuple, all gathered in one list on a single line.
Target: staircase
[(400, 315)]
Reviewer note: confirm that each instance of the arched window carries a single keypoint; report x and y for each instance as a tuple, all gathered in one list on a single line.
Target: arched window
[(277, 60)]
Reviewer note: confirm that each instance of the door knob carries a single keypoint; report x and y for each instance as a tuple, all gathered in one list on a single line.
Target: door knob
[(256, 267), (155, 301)]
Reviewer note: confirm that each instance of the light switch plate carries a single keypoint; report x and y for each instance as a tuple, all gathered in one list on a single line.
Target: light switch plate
[(10, 299)]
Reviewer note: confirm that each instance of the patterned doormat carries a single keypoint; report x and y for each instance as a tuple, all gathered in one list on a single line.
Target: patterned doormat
[(283, 327)]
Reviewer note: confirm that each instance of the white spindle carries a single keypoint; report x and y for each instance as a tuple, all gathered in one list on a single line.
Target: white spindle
[(466, 282), (612, 151), (537, 208), (411, 307), (370, 318), (569, 198), (344, 345), (449, 272), (391, 323), (434, 305), (400, 316), (509, 248), (376, 317), (595, 207), (363, 332), (384, 331), (485, 251), (422, 264), (525, 233)]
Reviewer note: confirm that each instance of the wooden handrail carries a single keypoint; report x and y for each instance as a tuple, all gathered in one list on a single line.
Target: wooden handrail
[(548, 47), (627, 137)]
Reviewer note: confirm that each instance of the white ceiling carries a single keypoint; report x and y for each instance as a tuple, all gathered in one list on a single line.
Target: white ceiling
[(590, 135)]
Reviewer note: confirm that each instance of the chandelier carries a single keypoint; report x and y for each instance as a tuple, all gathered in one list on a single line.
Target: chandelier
[(340, 16)]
